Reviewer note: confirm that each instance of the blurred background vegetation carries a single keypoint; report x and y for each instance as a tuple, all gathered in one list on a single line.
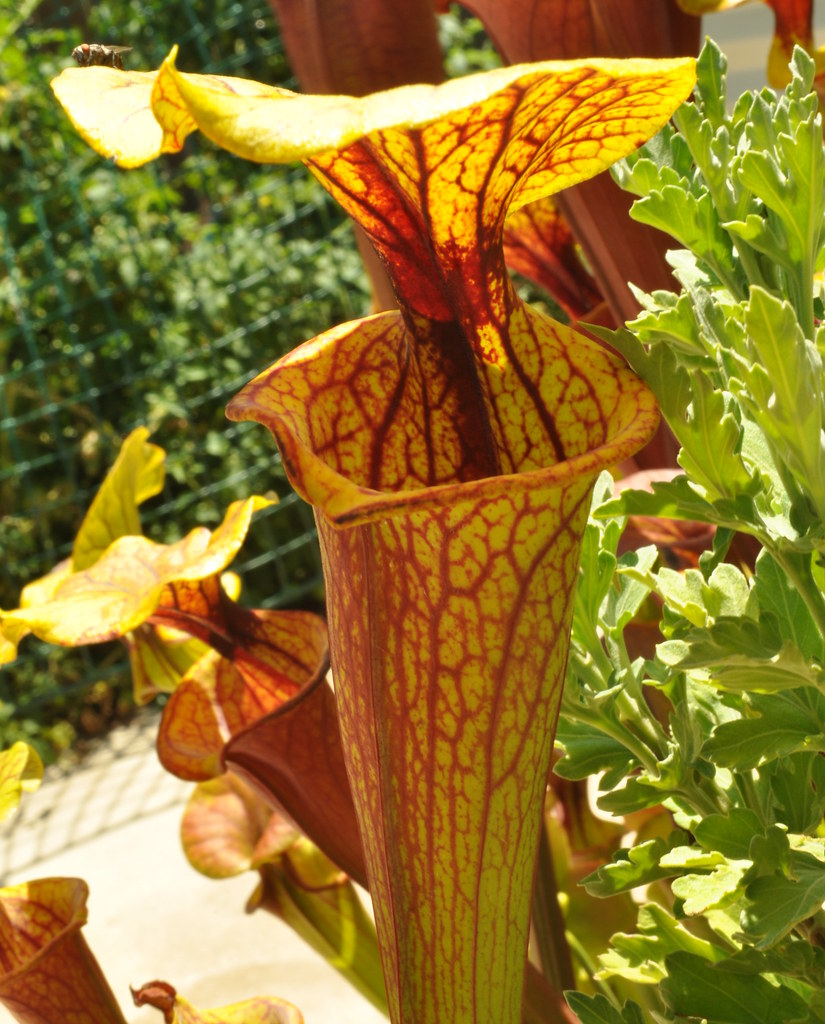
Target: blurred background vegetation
[(150, 296)]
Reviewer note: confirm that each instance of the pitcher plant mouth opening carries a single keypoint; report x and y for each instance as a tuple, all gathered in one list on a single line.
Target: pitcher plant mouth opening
[(360, 480)]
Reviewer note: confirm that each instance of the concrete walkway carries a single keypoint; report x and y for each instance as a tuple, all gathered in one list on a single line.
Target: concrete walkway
[(114, 822)]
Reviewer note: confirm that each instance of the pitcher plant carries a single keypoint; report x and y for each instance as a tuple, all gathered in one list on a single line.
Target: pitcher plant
[(449, 449)]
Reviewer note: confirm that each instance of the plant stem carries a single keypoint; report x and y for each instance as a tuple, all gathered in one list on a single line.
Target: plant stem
[(646, 727), (798, 569), (548, 921), (584, 958), (701, 801), (615, 730), (805, 308), (744, 783)]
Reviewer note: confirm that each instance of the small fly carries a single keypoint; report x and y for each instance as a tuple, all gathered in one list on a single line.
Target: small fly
[(90, 55)]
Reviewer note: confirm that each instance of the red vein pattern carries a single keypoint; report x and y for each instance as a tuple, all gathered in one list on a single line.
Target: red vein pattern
[(47, 972)]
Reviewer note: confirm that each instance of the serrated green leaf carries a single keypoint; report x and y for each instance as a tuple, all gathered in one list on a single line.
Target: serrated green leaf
[(693, 221), (711, 438), (778, 903), (602, 489), (661, 370), (675, 326), (625, 343), (682, 858), (712, 144), (640, 957), (777, 594), (701, 892), (598, 563), (635, 795), (712, 646), (685, 593), (634, 958), (726, 592), (813, 845), (694, 987), (630, 868), (786, 176), (803, 77), (677, 499), (798, 791), (599, 1010), (730, 591), (794, 958), (587, 751), (785, 387), (742, 656), (721, 325), (667, 149), (717, 553), (787, 671), (711, 78), (724, 922), (773, 501), (689, 271), (622, 604), (770, 852), (652, 170), (748, 742), (730, 833)]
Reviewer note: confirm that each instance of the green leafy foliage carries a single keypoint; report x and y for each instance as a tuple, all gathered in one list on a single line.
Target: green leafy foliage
[(634, 867), (599, 1010), (698, 989), (721, 721), (734, 360), (640, 957)]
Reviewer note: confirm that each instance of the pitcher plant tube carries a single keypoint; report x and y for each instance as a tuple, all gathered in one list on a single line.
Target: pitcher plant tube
[(449, 449)]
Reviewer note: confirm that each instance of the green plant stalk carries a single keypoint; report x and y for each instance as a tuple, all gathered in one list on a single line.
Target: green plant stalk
[(805, 296), (750, 796), (592, 968), (617, 731), (702, 802), (634, 709), (334, 923), (586, 631), (636, 715), (548, 921), (798, 569), (750, 263)]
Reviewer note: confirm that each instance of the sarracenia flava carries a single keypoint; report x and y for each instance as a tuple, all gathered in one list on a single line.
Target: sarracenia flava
[(449, 449)]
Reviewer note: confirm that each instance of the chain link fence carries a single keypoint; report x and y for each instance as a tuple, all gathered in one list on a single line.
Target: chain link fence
[(147, 296)]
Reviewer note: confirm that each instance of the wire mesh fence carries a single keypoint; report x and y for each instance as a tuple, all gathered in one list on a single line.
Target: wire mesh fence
[(147, 296)]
